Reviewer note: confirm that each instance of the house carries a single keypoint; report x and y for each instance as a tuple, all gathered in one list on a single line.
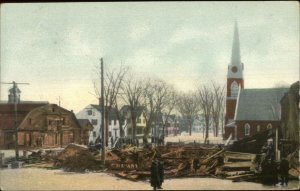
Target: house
[(51, 126), (248, 111), (8, 117), (140, 121), (92, 113)]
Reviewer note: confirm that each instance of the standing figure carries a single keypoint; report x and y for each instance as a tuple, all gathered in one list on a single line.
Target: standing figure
[(161, 173), (155, 181), (284, 171)]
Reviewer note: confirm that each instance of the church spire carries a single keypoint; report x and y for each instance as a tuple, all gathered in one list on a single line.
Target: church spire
[(235, 55)]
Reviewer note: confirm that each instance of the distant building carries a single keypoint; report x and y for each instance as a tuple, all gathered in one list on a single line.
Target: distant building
[(140, 121), (7, 117), (51, 126), (92, 113)]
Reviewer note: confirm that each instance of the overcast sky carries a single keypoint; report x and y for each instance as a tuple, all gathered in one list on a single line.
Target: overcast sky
[(55, 47)]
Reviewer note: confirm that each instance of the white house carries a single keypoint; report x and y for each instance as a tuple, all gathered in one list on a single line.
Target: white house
[(93, 114)]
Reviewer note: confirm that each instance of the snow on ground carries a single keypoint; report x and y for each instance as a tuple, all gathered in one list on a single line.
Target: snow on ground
[(42, 179), (197, 137)]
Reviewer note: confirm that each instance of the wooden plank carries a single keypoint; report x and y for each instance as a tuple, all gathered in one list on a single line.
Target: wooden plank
[(237, 164), (212, 156), (238, 155), (238, 176)]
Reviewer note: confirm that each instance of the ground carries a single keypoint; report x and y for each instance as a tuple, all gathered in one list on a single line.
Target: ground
[(43, 179)]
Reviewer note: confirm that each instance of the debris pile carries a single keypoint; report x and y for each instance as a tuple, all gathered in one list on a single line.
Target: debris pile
[(134, 163), (293, 159), (78, 158)]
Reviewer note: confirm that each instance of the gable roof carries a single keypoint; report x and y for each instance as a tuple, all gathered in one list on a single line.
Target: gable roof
[(259, 104), (112, 112)]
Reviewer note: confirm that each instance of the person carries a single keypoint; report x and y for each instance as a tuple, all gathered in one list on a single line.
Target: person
[(160, 172), (154, 174), (284, 171), (273, 172)]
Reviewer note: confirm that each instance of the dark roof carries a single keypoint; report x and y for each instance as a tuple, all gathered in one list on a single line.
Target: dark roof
[(259, 104), (7, 116), (84, 122), (139, 109)]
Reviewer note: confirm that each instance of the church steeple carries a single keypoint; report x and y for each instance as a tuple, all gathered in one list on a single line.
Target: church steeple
[(235, 82), (235, 55), (235, 68)]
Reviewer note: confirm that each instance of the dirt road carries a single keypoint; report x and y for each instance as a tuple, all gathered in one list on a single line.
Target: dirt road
[(42, 179)]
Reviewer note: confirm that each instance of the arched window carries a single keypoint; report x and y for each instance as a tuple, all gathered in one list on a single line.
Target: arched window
[(269, 126), (258, 128), (234, 89), (247, 129)]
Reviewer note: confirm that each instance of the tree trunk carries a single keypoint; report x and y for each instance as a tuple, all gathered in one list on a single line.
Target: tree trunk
[(133, 122)]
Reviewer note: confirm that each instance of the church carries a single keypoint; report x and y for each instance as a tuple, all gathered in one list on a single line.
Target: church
[(248, 111)]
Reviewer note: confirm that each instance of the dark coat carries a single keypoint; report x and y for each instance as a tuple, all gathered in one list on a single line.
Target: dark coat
[(284, 167), (155, 178), (161, 171)]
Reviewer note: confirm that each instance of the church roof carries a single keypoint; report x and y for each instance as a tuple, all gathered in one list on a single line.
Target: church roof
[(259, 104)]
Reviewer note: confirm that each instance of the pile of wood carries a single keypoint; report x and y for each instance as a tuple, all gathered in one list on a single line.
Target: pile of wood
[(238, 166), (181, 161)]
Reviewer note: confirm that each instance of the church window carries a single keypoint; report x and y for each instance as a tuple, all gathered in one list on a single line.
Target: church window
[(269, 126), (247, 129), (258, 128), (234, 89)]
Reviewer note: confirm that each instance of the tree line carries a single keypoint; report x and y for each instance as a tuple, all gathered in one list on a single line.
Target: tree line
[(156, 96)]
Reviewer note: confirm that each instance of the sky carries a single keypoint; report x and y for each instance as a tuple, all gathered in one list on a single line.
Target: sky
[(56, 46)]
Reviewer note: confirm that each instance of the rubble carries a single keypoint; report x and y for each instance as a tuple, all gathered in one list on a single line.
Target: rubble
[(134, 163), (78, 158)]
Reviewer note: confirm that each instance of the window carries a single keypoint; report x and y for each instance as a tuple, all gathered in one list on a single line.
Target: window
[(139, 120), (115, 122), (234, 89), (269, 126), (29, 121), (258, 128), (144, 121), (109, 133), (247, 129), (109, 122), (94, 121), (94, 133), (89, 112)]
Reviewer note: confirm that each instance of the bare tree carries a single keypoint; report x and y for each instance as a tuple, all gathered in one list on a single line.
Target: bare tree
[(218, 105), (205, 100), (132, 90), (171, 102), (188, 107), (112, 85), (154, 100)]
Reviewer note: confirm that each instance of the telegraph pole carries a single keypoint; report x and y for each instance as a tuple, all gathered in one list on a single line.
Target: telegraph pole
[(16, 116), (102, 114)]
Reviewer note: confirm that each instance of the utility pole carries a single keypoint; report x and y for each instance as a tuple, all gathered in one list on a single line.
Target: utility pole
[(16, 116), (102, 115)]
